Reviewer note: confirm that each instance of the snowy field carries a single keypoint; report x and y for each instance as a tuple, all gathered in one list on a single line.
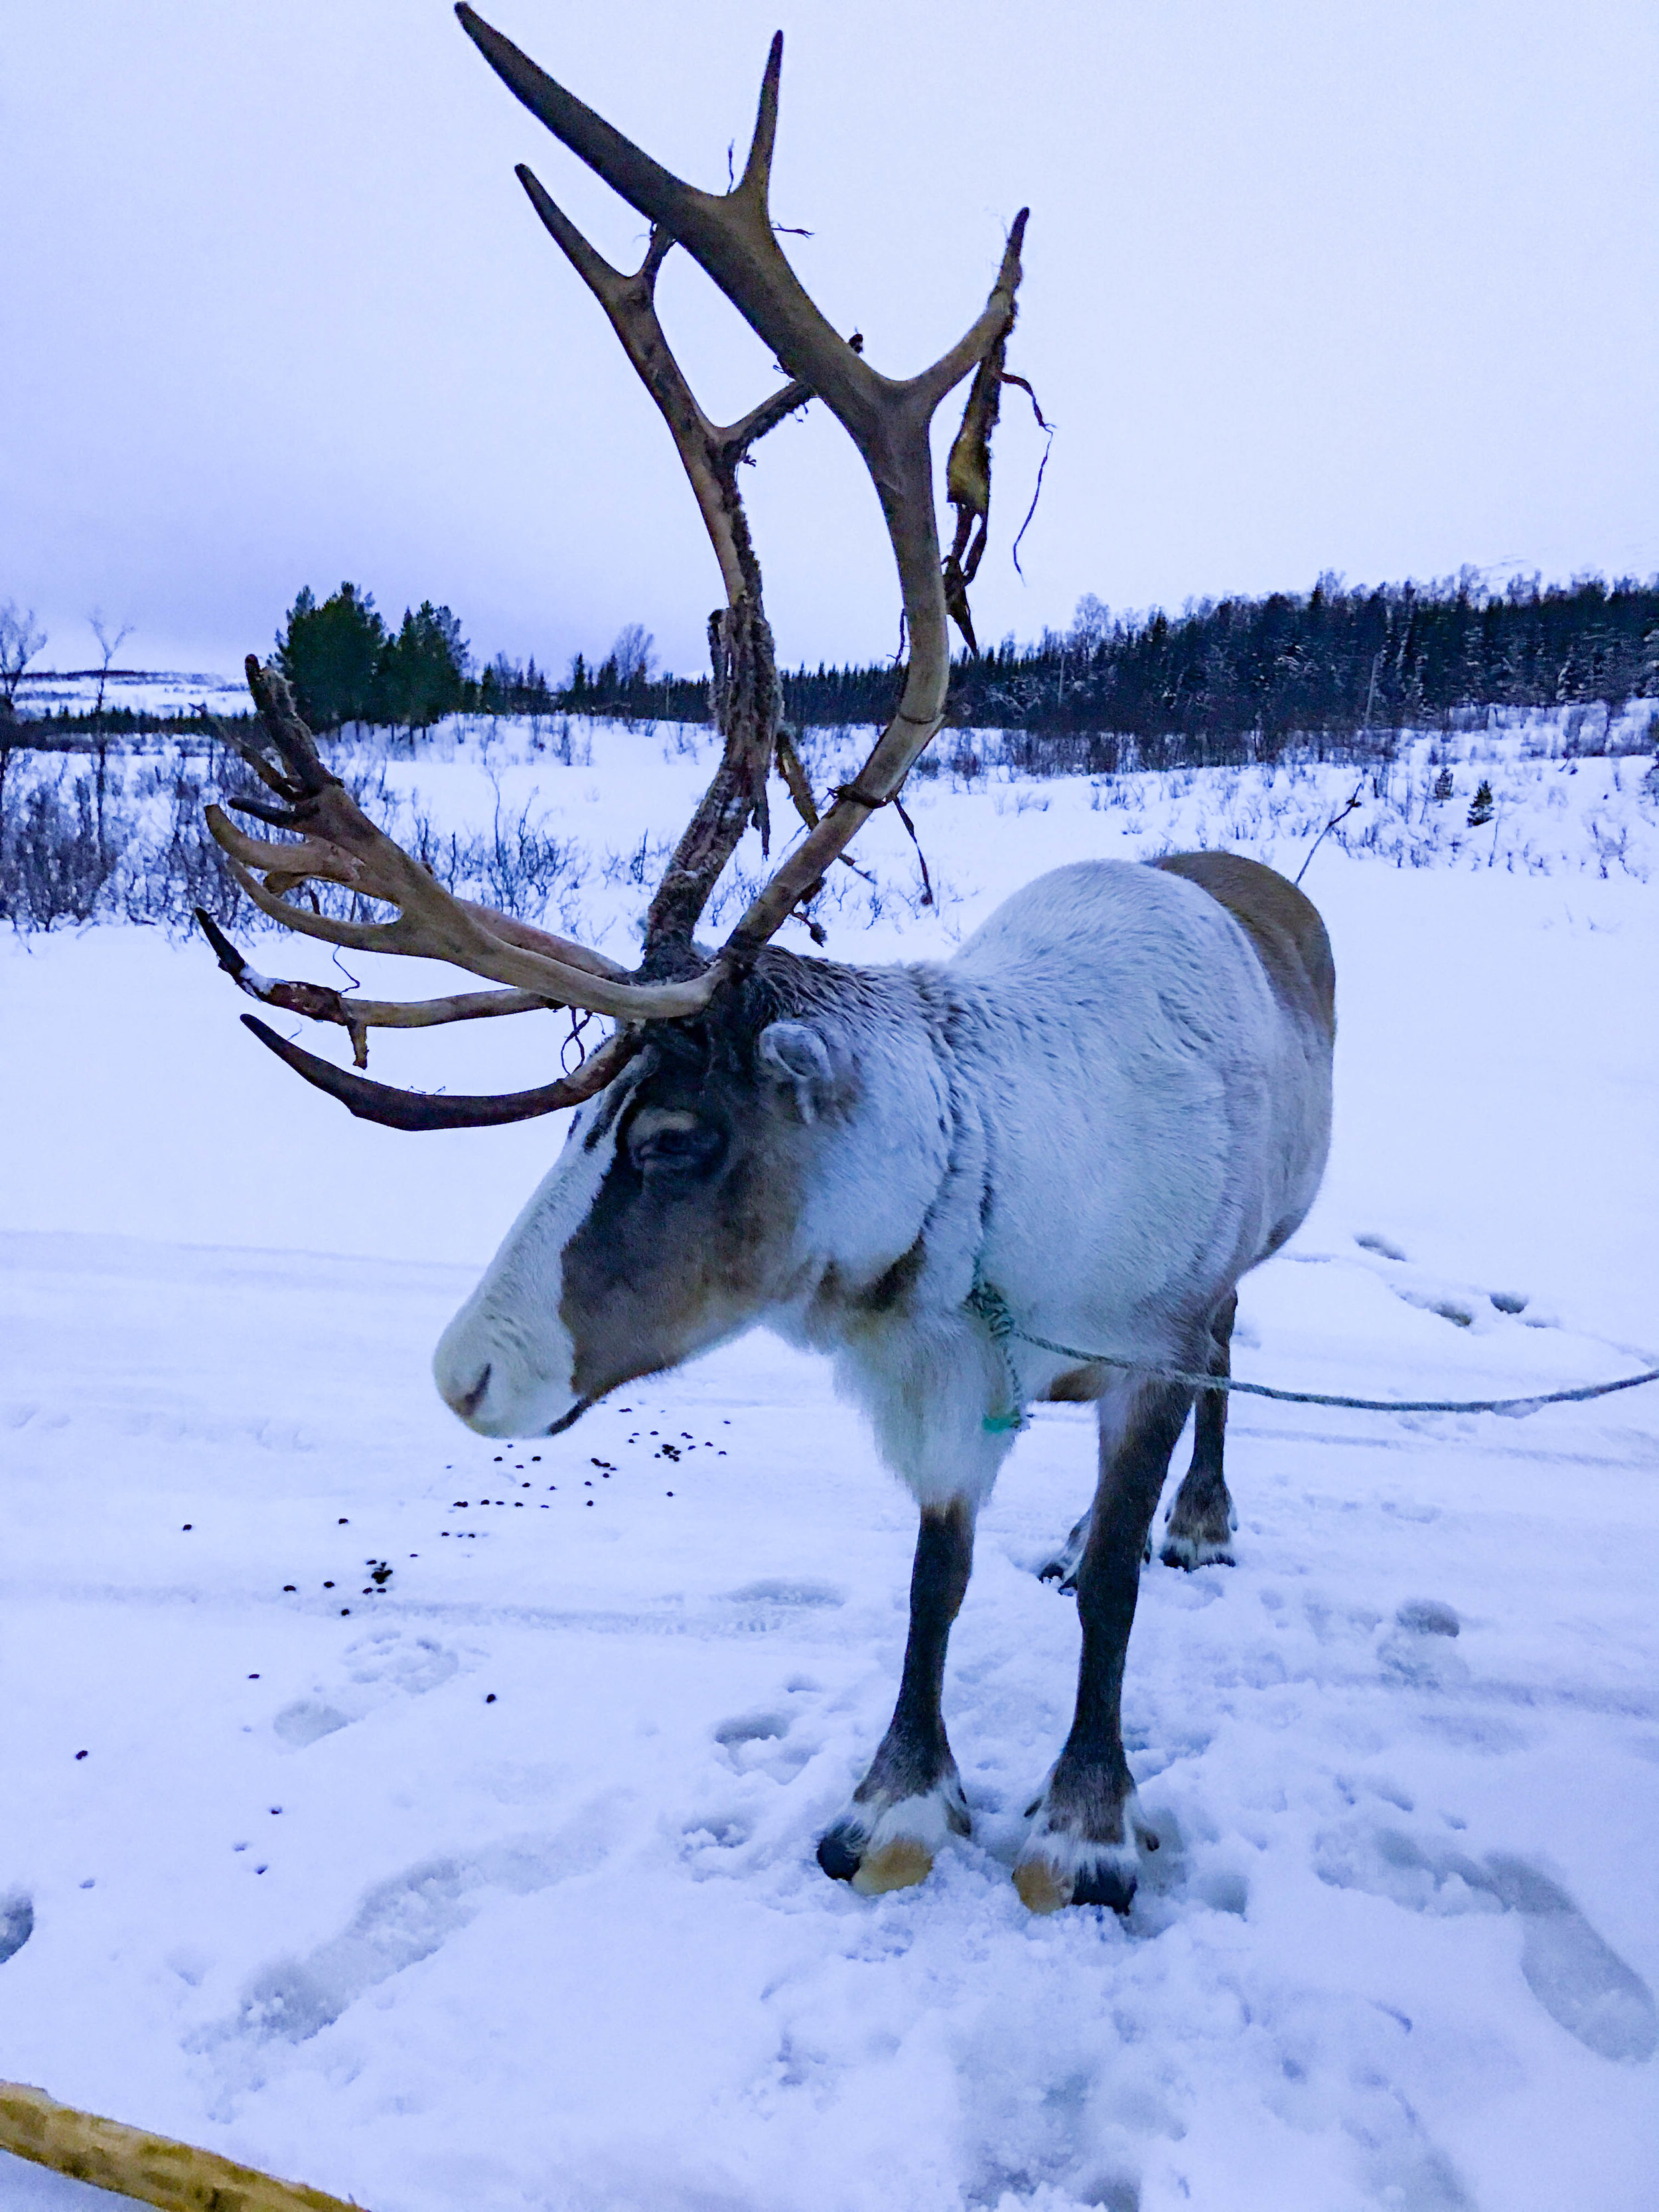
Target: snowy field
[(145, 690), (363, 1833)]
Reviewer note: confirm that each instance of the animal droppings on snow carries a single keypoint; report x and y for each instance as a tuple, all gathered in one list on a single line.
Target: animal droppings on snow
[(80, 1754)]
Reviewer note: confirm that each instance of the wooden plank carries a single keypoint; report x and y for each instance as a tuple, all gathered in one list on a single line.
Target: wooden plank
[(174, 2177)]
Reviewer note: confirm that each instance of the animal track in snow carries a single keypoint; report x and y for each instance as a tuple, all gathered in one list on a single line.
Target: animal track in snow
[(1418, 1649), (752, 1728), (1383, 1246), (1578, 1979), (400, 1921), (381, 1666), (16, 1923), (1460, 1304), (755, 1743)]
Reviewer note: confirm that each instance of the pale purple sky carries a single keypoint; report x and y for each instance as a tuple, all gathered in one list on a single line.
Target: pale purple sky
[(1369, 288)]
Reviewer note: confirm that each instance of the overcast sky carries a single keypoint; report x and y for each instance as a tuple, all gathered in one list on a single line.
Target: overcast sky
[(1368, 288)]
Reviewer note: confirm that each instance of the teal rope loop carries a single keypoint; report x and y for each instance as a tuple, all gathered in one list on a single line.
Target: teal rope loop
[(993, 1310)]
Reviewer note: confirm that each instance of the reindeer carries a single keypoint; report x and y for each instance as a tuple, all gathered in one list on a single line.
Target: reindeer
[(1087, 1126)]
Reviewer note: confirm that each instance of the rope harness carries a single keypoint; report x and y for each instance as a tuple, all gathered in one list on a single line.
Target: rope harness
[(992, 1307)]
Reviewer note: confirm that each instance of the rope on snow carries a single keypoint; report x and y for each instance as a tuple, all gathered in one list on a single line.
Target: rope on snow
[(992, 1309)]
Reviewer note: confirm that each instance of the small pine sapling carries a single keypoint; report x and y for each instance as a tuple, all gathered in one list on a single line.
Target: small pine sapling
[(1481, 811), (1443, 785)]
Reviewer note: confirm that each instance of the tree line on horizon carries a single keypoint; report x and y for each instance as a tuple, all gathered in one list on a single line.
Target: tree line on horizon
[(1240, 677), (1230, 679)]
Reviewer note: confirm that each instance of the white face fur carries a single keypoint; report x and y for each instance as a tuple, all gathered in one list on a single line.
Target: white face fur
[(506, 1364), (669, 1222)]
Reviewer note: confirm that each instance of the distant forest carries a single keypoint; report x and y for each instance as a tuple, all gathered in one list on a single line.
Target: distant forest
[(1240, 678), (1226, 680)]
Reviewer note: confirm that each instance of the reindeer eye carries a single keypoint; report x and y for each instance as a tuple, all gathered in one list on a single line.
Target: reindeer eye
[(674, 1145)]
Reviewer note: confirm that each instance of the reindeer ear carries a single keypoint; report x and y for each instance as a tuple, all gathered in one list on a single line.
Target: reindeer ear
[(794, 1052)]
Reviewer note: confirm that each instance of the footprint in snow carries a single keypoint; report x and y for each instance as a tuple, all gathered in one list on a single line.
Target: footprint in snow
[(1459, 1307), (1579, 1979), (748, 1738), (1418, 1649), (16, 1923), (386, 1663), (402, 1921)]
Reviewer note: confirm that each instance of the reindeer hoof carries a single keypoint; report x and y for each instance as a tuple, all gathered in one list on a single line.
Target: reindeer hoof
[(1041, 1888), (1189, 1552), (1103, 1880), (837, 1855), (1060, 1866), (900, 1863), (1061, 1570), (890, 1842)]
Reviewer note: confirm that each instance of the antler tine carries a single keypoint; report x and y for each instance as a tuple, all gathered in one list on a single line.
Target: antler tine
[(419, 1110), (750, 428), (756, 182), (729, 235), (747, 698), (629, 303), (908, 503), (280, 718), (440, 927), (321, 1002)]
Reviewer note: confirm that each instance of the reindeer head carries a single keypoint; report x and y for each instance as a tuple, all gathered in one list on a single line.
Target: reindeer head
[(726, 1173), (677, 1211)]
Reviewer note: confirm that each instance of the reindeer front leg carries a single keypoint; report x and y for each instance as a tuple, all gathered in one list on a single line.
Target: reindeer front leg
[(911, 1798), (1082, 1848)]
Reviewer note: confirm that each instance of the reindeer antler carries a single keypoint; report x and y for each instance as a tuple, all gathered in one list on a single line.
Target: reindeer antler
[(730, 236)]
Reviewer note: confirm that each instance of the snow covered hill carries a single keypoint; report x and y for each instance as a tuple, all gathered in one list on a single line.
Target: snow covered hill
[(363, 1830), (144, 690)]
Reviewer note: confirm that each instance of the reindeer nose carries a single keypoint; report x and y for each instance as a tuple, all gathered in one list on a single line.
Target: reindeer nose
[(467, 1402)]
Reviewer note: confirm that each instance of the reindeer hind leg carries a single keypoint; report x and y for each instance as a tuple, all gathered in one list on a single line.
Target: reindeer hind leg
[(1199, 1524), (1061, 1570)]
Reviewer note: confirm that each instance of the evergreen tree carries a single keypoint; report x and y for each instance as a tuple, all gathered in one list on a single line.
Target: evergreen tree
[(331, 654), (421, 673), (1482, 811)]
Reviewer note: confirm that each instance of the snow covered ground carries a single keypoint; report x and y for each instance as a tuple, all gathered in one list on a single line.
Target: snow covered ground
[(475, 1868), (145, 690)]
